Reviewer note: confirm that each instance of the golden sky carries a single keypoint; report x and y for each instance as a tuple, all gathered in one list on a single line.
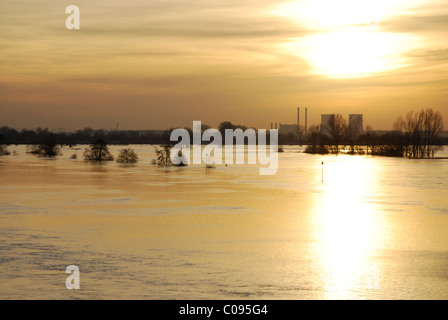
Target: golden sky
[(154, 64)]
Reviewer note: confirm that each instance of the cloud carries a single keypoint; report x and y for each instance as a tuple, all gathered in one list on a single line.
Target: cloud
[(210, 58), (432, 24)]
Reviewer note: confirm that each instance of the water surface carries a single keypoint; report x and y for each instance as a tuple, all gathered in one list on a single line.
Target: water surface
[(375, 228)]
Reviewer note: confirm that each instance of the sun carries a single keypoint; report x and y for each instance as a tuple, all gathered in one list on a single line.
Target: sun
[(353, 52), (345, 38)]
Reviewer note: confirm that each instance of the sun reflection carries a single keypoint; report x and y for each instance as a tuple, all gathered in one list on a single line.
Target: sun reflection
[(347, 229)]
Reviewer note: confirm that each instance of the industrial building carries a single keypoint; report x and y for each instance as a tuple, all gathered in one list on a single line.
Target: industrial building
[(284, 128), (355, 123)]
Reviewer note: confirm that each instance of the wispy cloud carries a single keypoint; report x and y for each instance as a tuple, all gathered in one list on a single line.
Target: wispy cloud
[(217, 59)]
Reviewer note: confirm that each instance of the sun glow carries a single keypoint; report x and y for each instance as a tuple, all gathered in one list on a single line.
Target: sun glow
[(324, 14), (353, 52), (346, 39)]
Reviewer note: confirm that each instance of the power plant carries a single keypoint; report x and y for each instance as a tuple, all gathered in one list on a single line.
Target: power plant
[(355, 122), (291, 128), (306, 121)]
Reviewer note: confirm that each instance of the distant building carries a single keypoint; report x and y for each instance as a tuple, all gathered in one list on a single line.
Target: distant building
[(287, 128), (291, 128), (355, 123)]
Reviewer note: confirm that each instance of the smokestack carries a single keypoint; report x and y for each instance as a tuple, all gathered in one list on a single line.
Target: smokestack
[(298, 117), (272, 126), (306, 120)]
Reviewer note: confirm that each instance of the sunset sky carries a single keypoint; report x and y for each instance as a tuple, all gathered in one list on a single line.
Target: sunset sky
[(155, 64)]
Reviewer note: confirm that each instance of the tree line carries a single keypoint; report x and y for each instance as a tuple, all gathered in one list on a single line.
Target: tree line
[(83, 136), (88, 135), (417, 135)]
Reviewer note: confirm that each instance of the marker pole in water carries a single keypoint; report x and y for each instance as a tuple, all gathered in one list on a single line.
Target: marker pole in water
[(322, 172)]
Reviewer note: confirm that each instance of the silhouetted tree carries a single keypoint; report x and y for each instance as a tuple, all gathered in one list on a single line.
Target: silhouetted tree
[(163, 156), (316, 141), (4, 150), (337, 127), (127, 156), (225, 125), (47, 146), (300, 131), (313, 134), (287, 138), (33, 149), (390, 144), (166, 136), (351, 135), (98, 151), (421, 133), (369, 139)]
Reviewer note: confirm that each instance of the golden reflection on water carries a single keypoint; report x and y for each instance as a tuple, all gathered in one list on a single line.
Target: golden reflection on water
[(347, 228), (375, 229)]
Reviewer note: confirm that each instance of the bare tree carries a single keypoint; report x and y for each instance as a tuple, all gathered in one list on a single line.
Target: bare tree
[(421, 132), (163, 156), (47, 146), (370, 139), (98, 151), (316, 140), (314, 133), (337, 127), (432, 128), (300, 131), (351, 135)]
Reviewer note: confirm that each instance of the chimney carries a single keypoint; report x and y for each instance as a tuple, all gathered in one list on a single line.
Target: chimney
[(306, 120), (298, 117)]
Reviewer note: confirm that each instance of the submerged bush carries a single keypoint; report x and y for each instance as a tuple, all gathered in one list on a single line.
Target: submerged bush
[(163, 158), (127, 156), (46, 149), (319, 149), (98, 151), (4, 150)]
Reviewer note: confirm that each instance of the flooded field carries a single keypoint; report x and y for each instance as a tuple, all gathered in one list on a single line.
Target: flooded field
[(374, 228)]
